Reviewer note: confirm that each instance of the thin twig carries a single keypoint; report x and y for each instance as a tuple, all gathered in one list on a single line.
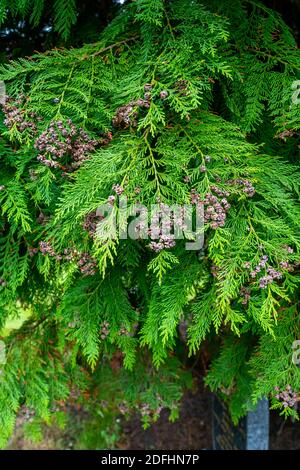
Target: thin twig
[(104, 49)]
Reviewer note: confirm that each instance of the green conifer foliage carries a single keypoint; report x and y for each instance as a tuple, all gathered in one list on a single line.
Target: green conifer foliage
[(177, 101)]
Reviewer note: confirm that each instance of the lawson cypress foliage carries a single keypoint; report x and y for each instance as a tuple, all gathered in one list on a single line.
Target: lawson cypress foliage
[(177, 102)]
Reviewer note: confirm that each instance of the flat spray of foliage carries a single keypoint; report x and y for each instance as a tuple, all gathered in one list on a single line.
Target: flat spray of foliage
[(177, 100)]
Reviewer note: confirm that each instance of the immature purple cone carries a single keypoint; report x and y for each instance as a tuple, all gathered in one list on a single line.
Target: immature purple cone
[(127, 114), (288, 249), (248, 187), (145, 409), (104, 331), (215, 210), (163, 94), (32, 251), (87, 264), (165, 242), (111, 199), (90, 223), (194, 197), (288, 397), (269, 278), (148, 87), (64, 140), (46, 248), (285, 265), (245, 293), (118, 189)]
